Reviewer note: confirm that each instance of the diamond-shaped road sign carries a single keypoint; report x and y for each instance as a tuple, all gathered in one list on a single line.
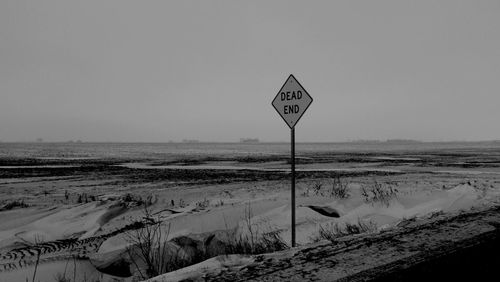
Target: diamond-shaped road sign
[(292, 101)]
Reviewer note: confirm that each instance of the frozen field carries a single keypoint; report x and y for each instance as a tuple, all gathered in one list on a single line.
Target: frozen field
[(73, 209)]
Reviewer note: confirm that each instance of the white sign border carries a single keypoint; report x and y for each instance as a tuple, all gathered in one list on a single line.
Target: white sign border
[(286, 81)]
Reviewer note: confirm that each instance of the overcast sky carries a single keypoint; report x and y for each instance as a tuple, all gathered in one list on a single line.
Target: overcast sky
[(208, 70)]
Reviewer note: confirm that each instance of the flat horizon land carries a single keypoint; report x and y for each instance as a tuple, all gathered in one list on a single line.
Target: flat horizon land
[(78, 211)]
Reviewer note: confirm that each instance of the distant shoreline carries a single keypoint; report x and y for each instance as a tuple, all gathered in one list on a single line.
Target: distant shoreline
[(388, 142)]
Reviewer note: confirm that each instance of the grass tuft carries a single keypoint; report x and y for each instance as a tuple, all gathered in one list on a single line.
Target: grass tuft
[(14, 204), (340, 189), (152, 252), (377, 192), (333, 231)]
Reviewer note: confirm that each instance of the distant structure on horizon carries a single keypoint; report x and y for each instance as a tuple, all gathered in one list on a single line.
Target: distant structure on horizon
[(363, 141), (403, 141), (249, 140), (39, 140), (190, 141)]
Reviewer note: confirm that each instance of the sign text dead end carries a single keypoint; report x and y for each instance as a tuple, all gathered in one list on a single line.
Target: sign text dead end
[(292, 101)]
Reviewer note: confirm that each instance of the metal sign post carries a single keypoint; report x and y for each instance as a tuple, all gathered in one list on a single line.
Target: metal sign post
[(291, 102), (292, 141)]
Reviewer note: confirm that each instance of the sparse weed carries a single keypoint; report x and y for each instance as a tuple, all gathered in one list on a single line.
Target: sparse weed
[(182, 203), (228, 194), (254, 241), (220, 203), (127, 198), (148, 247), (378, 193), (203, 204), (316, 187), (14, 204), (340, 189), (135, 200), (85, 198), (152, 253), (333, 231), (262, 243)]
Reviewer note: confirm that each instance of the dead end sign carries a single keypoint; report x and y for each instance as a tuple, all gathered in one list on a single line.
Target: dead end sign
[(292, 101)]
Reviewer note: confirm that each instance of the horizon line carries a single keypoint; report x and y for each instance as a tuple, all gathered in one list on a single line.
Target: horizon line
[(374, 141)]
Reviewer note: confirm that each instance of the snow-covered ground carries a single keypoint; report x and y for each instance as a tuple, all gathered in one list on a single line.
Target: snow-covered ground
[(91, 233)]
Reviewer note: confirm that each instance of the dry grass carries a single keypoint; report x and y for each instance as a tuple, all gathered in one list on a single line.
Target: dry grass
[(152, 252), (203, 204), (254, 241), (332, 231), (148, 250), (340, 189), (14, 204), (377, 192)]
